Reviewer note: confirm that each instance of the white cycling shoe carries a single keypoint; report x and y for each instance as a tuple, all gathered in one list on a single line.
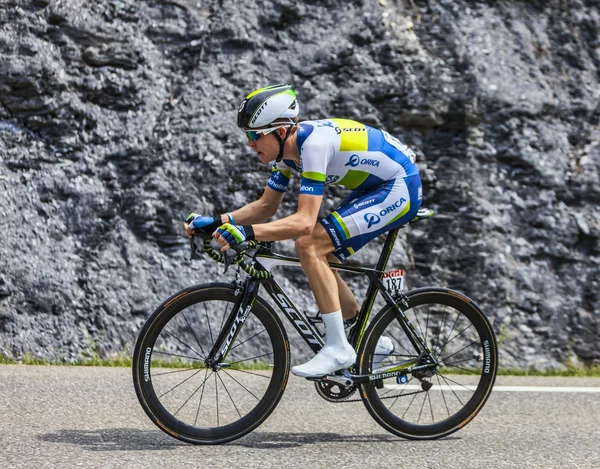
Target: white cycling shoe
[(329, 360), (383, 349)]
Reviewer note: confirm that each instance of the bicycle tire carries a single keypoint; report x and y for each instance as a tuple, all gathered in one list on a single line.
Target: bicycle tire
[(480, 349), (158, 329)]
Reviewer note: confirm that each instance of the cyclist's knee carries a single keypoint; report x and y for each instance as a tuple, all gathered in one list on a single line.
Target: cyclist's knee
[(315, 244), (304, 246)]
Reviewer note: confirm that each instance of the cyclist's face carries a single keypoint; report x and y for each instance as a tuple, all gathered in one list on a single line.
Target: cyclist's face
[(266, 147)]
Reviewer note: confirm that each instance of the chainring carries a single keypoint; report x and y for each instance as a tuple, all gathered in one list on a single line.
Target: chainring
[(334, 392)]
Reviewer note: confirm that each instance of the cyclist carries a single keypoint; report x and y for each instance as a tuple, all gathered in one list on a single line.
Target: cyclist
[(386, 193)]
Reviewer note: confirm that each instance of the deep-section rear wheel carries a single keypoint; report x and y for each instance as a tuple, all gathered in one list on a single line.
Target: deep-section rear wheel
[(206, 403), (435, 402)]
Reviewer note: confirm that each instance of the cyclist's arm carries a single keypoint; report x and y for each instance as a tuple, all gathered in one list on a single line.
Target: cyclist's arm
[(300, 223), (259, 210)]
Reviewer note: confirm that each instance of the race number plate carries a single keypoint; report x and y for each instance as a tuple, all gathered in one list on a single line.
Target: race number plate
[(393, 280)]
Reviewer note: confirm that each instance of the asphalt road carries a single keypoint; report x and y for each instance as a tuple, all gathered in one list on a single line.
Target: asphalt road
[(63, 417)]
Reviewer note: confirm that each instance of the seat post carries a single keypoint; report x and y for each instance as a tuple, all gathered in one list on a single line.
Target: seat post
[(386, 252), (381, 265)]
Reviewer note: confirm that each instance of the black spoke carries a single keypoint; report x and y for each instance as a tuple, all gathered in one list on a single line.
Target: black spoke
[(475, 342), (184, 344), (443, 395), (400, 343), (201, 395), (468, 327), (450, 333), (154, 375), (230, 398), (193, 394), (419, 323), (411, 402), (450, 387), (217, 396), (249, 372), (399, 395), (241, 385), (175, 355), (246, 340), (422, 407), (465, 369), (223, 320), (456, 382), (212, 341), (176, 386), (194, 334), (437, 340), (463, 360), (251, 358), (427, 324), (430, 407)]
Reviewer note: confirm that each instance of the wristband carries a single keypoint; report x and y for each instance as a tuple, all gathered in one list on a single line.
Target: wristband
[(249, 232), (217, 222), (230, 216)]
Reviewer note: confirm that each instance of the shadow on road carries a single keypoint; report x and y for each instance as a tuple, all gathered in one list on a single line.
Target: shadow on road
[(133, 439), (114, 439), (263, 440)]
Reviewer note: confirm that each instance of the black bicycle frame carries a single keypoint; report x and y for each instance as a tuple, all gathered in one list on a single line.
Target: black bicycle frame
[(299, 319)]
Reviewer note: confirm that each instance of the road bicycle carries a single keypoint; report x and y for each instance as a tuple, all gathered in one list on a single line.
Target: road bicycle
[(212, 362)]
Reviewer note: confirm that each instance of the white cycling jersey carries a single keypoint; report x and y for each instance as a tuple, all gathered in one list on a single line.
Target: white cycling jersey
[(344, 152)]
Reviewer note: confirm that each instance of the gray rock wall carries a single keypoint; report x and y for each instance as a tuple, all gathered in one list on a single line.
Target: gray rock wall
[(117, 118)]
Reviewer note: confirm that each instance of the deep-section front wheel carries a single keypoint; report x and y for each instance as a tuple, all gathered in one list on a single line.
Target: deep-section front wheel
[(202, 402), (431, 401)]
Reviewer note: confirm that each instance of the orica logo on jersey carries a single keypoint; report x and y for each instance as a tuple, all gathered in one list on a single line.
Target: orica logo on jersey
[(392, 208), (371, 219), (331, 179), (355, 161)]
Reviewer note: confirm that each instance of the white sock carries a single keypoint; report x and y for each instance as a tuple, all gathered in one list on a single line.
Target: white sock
[(334, 329)]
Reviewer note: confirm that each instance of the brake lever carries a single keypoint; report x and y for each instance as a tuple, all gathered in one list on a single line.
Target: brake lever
[(193, 249)]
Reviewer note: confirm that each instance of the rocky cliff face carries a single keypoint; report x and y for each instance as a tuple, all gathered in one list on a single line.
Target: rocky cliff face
[(117, 118)]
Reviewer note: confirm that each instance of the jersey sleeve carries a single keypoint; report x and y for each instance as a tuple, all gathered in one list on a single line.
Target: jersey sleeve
[(315, 158), (280, 178)]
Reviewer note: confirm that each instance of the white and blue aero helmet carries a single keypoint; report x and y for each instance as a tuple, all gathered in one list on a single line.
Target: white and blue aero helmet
[(273, 106)]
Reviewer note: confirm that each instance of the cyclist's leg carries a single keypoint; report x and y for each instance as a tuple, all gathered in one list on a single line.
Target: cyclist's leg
[(348, 301), (357, 221), (337, 353), (312, 251)]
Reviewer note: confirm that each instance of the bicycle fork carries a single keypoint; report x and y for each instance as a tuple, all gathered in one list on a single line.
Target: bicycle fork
[(233, 325)]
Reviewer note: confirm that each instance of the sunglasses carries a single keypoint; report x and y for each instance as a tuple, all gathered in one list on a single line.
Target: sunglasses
[(254, 135)]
